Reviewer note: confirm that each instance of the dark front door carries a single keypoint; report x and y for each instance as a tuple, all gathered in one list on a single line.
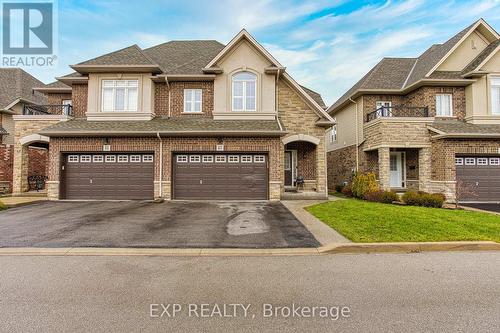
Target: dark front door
[(220, 176), (108, 176), (478, 178), (288, 168)]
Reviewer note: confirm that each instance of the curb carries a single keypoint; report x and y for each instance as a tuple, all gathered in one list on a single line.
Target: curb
[(409, 247), (334, 248)]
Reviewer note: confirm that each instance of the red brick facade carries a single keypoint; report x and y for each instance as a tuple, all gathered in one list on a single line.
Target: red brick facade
[(177, 97), (37, 165), (306, 158), (6, 163), (79, 99), (57, 99)]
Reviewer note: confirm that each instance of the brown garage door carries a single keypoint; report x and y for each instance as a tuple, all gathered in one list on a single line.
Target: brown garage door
[(220, 176), (478, 178), (108, 176)]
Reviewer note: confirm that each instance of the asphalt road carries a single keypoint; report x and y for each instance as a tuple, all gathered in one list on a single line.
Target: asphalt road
[(429, 292), (179, 224)]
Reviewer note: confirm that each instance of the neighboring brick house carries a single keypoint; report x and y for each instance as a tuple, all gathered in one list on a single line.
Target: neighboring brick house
[(430, 123), (16, 93), (183, 120)]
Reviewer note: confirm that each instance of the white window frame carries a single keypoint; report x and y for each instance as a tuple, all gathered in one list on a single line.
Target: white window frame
[(246, 159), (233, 159), (259, 159), (122, 158), (97, 158), (244, 91), (494, 160), (182, 158), (495, 85), (147, 158), (73, 158), (208, 158), (334, 134), (482, 161), (194, 158), (439, 104), (220, 158), (85, 158), (386, 105), (470, 161), (113, 85), (135, 158), (110, 159), (193, 101), (459, 161)]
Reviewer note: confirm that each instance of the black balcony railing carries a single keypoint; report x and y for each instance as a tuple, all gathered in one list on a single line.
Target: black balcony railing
[(398, 111), (32, 109)]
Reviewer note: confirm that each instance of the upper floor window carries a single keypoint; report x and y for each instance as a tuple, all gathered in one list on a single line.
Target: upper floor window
[(333, 133), (192, 100), (67, 103), (495, 95), (444, 107), (119, 95), (244, 91), (384, 107)]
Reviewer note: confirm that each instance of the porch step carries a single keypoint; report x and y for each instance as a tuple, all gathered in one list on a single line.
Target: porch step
[(32, 194), (303, 196)]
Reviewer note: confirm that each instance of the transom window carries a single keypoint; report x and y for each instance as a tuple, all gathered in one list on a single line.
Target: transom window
[(135, 158), (119, 95), (470, 161), (220, 159), (73, 158), (444, 107), (495, 95), (459, 161), (495, 161), (147, 158), (208, 158), (122, 158), (233, 159), (182, 158), (194, 158), (259, 159), (85, 158), (244, 87), (110, 158), (192, 100), (246, 158), (97, 158)]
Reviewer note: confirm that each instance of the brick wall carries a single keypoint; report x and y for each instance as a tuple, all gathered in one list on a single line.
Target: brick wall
[(37, 165), (56, 99), (79, 99), (341, 163), (306, 158), (161, 99), (6, 165), (177, 97)]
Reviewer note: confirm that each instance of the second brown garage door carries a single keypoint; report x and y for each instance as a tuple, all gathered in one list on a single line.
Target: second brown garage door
[(478, 178), (220, 176), (108, 176)]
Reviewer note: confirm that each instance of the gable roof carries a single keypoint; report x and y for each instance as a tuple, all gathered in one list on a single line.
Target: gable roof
[(315, 95), (15, 85), (401, 73), (480, 59), (455, 128), (54, 87)]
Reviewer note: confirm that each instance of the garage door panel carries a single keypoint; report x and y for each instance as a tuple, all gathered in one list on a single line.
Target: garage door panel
[(108, 180), (479, 177), (225, 178)]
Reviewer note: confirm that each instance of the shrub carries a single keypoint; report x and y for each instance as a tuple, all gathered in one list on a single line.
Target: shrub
[(2, 206), (363, 183), (424, 199), (347, 191), (339, 188), (382, 196)]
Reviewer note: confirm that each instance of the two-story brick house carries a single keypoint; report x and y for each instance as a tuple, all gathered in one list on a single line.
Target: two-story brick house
[(430, 123), (183, 120)]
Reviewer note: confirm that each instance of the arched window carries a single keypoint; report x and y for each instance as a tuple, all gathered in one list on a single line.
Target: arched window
[(244, 91)]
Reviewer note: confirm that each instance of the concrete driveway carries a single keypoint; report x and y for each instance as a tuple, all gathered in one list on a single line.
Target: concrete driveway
[(146, 224), (491, 207)]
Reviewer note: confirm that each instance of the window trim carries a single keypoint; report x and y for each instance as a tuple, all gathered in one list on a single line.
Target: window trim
[(494, 86), (193, 100), (451, 104), (244, 96), (125, 97)]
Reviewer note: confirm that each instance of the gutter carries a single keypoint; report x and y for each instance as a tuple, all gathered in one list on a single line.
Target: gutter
[(167, 133), (161, 165), (357, 134)]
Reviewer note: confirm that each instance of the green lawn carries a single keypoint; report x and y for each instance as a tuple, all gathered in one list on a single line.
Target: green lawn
[(369, 222)]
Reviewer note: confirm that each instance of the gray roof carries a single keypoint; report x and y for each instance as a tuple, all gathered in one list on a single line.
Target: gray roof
[(15, 83), (456, 127), (315, 96), (481, 57), (132, 55), (184, 57), (173, 126), (400, 73), (57, 84)]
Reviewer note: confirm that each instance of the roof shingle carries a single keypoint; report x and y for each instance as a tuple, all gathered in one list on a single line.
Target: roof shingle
[(15, 83)]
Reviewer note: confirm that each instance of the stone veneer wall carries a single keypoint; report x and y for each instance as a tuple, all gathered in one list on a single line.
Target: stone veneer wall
[(298, 118), (272, 146), (341, 163)]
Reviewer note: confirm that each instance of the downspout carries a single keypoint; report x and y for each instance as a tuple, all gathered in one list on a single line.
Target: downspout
[(168, 87), (357, 134), (160, 192), (276, 99)]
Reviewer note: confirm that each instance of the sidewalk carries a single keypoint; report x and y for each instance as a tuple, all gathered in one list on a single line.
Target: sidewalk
[(11, 202)]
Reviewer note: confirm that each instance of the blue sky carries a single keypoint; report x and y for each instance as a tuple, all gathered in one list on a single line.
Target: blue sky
[(326, 45)]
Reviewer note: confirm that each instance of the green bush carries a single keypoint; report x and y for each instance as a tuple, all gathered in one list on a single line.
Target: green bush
[(382, 196), (347, 191), (424, 199), (2, 206), (339, 188), (363, 183)]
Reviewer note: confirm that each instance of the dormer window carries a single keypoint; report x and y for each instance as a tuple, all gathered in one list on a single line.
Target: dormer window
[(119, 95), (244, 91)]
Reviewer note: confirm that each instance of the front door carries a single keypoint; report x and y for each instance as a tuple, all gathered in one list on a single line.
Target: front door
[(288, 168), (396, 167)]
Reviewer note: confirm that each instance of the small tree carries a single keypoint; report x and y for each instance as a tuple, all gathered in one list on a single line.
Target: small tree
[(464, 189), (363, 183)]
